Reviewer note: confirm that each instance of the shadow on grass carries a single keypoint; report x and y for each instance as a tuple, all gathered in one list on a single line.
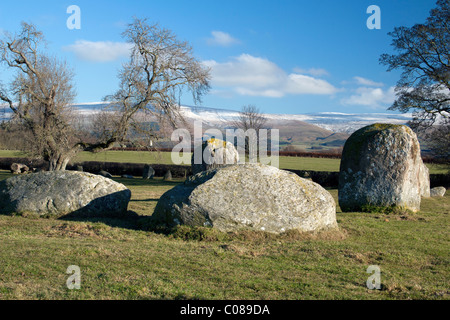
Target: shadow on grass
[(145, 200), (131, 220)]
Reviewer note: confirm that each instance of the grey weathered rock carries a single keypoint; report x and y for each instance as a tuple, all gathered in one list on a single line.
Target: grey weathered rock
[(18, 168), (253, 196), (381, 166), (213, 153), (437, 192), (168, 176), (424, 180), (60, 193), (148, 173), (105, 174)]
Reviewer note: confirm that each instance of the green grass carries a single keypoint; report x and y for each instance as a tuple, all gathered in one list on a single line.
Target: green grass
[(293, 163), (119, 260)]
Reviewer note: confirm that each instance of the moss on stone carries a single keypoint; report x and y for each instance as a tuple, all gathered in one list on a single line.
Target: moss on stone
[(359, 138)]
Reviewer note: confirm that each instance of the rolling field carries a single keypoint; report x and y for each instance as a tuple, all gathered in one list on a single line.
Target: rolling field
[(121, 259), (293, 163)]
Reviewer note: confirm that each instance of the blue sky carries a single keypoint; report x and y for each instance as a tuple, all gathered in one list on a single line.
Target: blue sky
[(282, 56)]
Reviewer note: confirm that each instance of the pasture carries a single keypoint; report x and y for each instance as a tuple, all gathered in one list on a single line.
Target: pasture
[(122, 259), (285, 162)]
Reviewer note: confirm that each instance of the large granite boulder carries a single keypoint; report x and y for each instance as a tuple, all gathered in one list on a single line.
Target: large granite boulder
[(60, 193), (252, 196), (381, 166), (213, 153)]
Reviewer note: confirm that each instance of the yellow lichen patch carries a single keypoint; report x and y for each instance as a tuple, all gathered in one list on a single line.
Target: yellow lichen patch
[(217, 143)]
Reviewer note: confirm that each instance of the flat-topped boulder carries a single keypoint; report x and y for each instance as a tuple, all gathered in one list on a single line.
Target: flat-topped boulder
[(61, 193), (381, 165), (248, 196)]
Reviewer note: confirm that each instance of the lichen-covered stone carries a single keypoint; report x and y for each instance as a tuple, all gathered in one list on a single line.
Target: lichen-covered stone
[(61, 193), (213, 153), (381, 165), (253, 196), (424, 180)]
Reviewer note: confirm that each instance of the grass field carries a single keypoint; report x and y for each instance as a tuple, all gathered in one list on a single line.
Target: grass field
[(293, 163), (120, 260)]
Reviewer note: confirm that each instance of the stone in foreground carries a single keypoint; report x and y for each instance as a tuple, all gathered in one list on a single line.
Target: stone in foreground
[(248, 196), (381, 165), (62, 193)]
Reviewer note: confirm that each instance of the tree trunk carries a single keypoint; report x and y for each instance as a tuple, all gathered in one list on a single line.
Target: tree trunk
[(58, 163)]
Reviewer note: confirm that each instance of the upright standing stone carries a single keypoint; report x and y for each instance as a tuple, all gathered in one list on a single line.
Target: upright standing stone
[(168, 176), (424, 181), (148, 173), (213, 153), (381, 165)]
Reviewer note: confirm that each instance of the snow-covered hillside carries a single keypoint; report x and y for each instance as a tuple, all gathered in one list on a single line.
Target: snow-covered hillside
[(332, 121)]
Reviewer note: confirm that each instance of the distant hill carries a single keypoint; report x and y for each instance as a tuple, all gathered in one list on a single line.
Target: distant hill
[(303, 131), (311, 131)]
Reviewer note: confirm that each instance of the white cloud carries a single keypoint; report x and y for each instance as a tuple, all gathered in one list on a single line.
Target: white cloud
[(315, 72), (223, 39), (255, 76), (371, 97), (367, 82), (99, 51)]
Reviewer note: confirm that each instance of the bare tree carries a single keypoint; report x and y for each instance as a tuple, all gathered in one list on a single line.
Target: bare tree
[(160, 69), (423, 55), (40, 94), (250, 120), (424, 58)]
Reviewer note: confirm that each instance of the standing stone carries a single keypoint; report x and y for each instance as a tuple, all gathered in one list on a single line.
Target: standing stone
[(168, 176), (213, 153), (437, 192), (148, 173), (424, 180), (381, 166), (248, 196), (62, 193)]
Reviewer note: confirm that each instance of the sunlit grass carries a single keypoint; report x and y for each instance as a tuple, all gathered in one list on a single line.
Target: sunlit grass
[(120, 260)]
